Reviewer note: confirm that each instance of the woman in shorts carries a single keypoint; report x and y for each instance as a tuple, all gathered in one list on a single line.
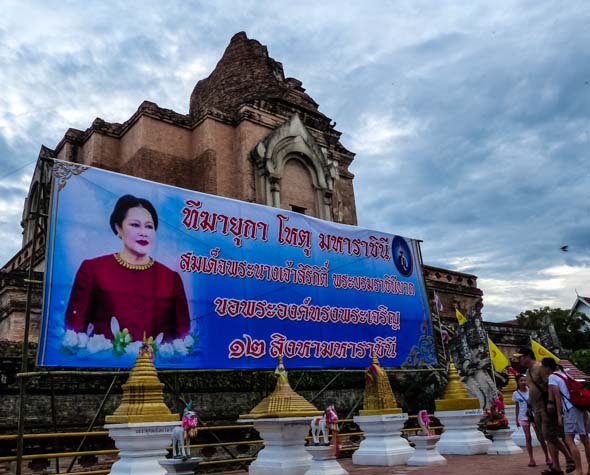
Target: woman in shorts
[(525, 419)]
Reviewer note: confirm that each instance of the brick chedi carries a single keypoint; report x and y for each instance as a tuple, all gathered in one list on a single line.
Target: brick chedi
[(246, 74), (250, 134)]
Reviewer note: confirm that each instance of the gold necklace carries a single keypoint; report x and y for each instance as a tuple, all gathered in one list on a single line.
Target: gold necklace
[(127, 265)]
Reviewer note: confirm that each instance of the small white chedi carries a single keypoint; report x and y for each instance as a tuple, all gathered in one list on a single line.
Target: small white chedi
[(460, 413), (142, 425), (283, 420)]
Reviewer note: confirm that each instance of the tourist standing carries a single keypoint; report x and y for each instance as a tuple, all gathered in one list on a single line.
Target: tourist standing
[(547, 424), (525, 419), (573, 420)]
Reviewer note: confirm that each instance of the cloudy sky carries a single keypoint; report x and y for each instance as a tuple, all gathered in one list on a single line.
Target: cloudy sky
[(470, 120)]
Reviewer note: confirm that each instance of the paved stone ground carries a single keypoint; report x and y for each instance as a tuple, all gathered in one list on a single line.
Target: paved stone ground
[(457, 465)]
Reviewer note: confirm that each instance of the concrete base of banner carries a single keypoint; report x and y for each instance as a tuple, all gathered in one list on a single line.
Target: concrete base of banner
[(503, 443), (142, 446), (324, 461), (180, 466), (383, 443), (461, 436), (284, 446), (425, 452)]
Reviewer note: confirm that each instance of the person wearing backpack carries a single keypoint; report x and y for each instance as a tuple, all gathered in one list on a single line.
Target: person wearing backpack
[(574, 420), (547, 424)]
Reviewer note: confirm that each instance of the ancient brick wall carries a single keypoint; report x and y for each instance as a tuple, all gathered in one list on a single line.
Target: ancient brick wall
[(243, 102), (244, 99), (297, 188)]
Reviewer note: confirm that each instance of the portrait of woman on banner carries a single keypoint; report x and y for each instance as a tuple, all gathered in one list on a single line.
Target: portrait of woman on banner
[(120, 299)]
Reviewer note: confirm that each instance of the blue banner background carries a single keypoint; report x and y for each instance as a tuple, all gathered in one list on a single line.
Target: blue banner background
[(82, 202)]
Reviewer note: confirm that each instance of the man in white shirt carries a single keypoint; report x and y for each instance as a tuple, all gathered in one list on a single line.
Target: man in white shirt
[(573, 420)]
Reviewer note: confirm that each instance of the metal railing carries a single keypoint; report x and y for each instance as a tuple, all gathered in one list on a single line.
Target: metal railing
[(349, 447)]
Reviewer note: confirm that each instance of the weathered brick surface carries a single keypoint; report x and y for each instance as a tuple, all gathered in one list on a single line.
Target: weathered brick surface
[(455, 289), (297, 188), (162, 167), (244, 74), (244, 99), (13, 299)]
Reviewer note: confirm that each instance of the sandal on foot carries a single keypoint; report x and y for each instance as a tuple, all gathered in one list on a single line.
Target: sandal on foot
[(551, 471), (570, 466), (532, 464)]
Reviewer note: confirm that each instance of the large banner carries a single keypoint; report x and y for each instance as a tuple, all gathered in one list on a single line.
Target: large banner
[(210, 282)]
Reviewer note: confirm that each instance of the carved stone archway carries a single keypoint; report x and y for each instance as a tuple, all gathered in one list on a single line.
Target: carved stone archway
[(292, 141)]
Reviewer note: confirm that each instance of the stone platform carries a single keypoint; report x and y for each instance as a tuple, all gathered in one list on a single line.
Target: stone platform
[(457, 465)]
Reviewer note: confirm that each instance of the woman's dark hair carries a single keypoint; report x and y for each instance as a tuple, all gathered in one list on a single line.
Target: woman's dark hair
[(124, 204), (549, 363), (520, 376)]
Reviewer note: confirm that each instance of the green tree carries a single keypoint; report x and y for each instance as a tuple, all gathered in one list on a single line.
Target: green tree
[(571, 328), (581, 358)]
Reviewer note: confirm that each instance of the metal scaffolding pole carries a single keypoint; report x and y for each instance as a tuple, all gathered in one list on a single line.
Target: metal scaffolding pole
[(37, 213)]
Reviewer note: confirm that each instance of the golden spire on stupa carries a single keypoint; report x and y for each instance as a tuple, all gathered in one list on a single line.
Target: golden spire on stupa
[(378, 397), (143, 395), (283, 401), (509, 389), (456, 396)]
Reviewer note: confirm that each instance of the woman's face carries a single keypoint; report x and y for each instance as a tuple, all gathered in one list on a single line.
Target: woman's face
[(137, 231), (522, 383)]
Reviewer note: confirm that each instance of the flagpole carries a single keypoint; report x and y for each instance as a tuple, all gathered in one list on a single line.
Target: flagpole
[(442, 340), (436, 299)]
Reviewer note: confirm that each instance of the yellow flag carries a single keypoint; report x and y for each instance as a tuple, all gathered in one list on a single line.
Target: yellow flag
[(460, 317), (542, 352), (498, 358)]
